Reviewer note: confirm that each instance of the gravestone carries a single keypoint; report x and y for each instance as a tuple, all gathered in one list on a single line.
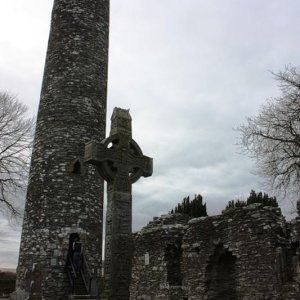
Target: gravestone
[(34, 279), (120, 161)]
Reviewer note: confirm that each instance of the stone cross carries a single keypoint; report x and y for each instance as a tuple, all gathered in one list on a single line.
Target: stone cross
[(120, 161)]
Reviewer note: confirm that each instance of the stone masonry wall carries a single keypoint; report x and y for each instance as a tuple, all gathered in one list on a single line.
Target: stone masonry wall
[(245, 253), (149, 279), (64, 195)]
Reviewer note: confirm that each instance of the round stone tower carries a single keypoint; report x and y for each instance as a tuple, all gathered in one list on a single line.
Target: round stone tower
[(65, 196)]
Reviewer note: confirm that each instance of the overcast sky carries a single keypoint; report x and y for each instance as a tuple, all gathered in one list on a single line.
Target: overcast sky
[(189, 70)]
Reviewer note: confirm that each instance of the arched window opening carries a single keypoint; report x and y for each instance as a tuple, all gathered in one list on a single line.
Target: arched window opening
[(221, 275), (77, 167)]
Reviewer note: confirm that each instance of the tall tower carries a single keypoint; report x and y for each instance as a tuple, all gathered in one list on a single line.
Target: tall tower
[(65, 196)]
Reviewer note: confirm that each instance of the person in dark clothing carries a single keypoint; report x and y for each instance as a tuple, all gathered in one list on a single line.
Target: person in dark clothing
[(77, 252)]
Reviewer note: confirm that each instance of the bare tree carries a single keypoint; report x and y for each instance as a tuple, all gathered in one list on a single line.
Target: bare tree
[(273, 137), (15, 148)]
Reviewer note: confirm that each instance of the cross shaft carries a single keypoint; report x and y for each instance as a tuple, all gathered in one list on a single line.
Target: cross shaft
[(120, 161)]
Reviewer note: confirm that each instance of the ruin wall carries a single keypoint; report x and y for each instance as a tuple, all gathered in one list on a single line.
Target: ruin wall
[(245, 253)]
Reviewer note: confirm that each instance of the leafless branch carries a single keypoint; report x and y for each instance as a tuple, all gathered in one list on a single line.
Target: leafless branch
[(16, 130), (273, 137)]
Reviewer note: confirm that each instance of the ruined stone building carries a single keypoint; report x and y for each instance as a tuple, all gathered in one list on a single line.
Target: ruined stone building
[(245, 253)]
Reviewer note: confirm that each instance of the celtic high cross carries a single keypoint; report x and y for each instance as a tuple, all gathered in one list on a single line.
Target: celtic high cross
[(120, 161)]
